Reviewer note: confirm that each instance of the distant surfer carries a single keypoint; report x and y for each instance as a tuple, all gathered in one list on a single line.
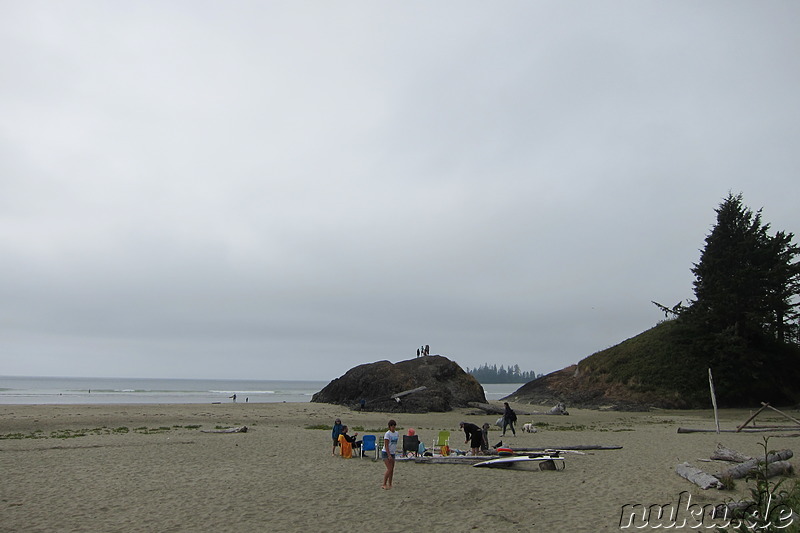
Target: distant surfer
[(234, 398)]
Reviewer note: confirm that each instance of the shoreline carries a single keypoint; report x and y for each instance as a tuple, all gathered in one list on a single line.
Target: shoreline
[(163, 473)]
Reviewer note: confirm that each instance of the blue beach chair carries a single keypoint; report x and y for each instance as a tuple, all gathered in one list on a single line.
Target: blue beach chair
[(369, 444)]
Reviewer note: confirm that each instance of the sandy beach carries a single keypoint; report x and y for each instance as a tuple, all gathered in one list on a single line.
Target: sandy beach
[(152, 468)]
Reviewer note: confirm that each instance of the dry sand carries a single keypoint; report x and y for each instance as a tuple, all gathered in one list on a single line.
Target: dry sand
[(280, 476)]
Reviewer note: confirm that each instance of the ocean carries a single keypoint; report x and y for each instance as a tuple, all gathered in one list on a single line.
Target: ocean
[(56, 390)]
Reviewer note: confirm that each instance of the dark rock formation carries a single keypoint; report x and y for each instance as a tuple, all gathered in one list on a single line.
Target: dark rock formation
[(446, 384)]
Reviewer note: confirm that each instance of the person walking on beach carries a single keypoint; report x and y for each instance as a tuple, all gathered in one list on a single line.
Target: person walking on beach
[(474, 436), (337, 430), (509, 417), (390, 439)]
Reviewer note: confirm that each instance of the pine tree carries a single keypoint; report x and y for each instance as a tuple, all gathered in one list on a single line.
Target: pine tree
[(746, 282)]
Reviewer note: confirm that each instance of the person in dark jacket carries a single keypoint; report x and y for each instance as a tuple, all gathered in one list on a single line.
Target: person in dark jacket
[(337, 430), (474, 436), (509, 417)]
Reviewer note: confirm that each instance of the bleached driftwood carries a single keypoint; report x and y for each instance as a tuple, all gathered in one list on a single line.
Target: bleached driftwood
[(793, 419), (739, 428), (559, 409), (240, 429), (489, 408), (497, 410), (742, 430), (454, 459), (713, 399), (777, 468), (575, 447), (723, 453), (778, 458), (407, 392), (766, 406), (702, 479)]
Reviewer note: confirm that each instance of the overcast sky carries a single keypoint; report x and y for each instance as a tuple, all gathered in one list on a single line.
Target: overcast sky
[(285, 190)]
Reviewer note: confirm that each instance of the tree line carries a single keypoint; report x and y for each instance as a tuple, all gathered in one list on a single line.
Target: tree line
[(493, 374)]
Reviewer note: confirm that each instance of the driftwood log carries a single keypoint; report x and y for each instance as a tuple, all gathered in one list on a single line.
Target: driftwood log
[(407, 392), (765, 406), (777, 468), (559, 409), (751, 417), (454, 459), (489, 408), (576, 447), (777, 464), (793, 419), (723, 453), (240, 429), (743, 430), (496, 410), (698, 477)]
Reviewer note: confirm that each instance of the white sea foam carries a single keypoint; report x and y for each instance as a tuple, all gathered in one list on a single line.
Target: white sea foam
[(55, 390)]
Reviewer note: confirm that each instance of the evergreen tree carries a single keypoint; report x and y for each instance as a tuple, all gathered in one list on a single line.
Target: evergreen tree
[(741, 320), (746, 282)]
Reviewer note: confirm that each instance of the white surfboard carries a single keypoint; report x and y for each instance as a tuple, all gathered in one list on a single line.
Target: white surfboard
[(506, 462)]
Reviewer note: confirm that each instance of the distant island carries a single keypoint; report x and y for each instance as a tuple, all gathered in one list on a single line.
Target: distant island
[(491, 374)]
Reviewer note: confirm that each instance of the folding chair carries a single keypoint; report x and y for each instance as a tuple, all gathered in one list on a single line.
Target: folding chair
[(369, 444), (410, 445), (442, 439)]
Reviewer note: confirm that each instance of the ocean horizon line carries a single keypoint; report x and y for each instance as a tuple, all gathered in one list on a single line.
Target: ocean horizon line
[(144, 378)]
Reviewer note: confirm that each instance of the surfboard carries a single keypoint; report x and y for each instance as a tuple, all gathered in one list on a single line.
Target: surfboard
[(507, 462)]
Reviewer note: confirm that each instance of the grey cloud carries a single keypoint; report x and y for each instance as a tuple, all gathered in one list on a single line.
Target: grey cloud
[(257, 190)]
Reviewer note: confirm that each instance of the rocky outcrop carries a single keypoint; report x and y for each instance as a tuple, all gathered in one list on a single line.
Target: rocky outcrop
[(579, 388), (371, 386)]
